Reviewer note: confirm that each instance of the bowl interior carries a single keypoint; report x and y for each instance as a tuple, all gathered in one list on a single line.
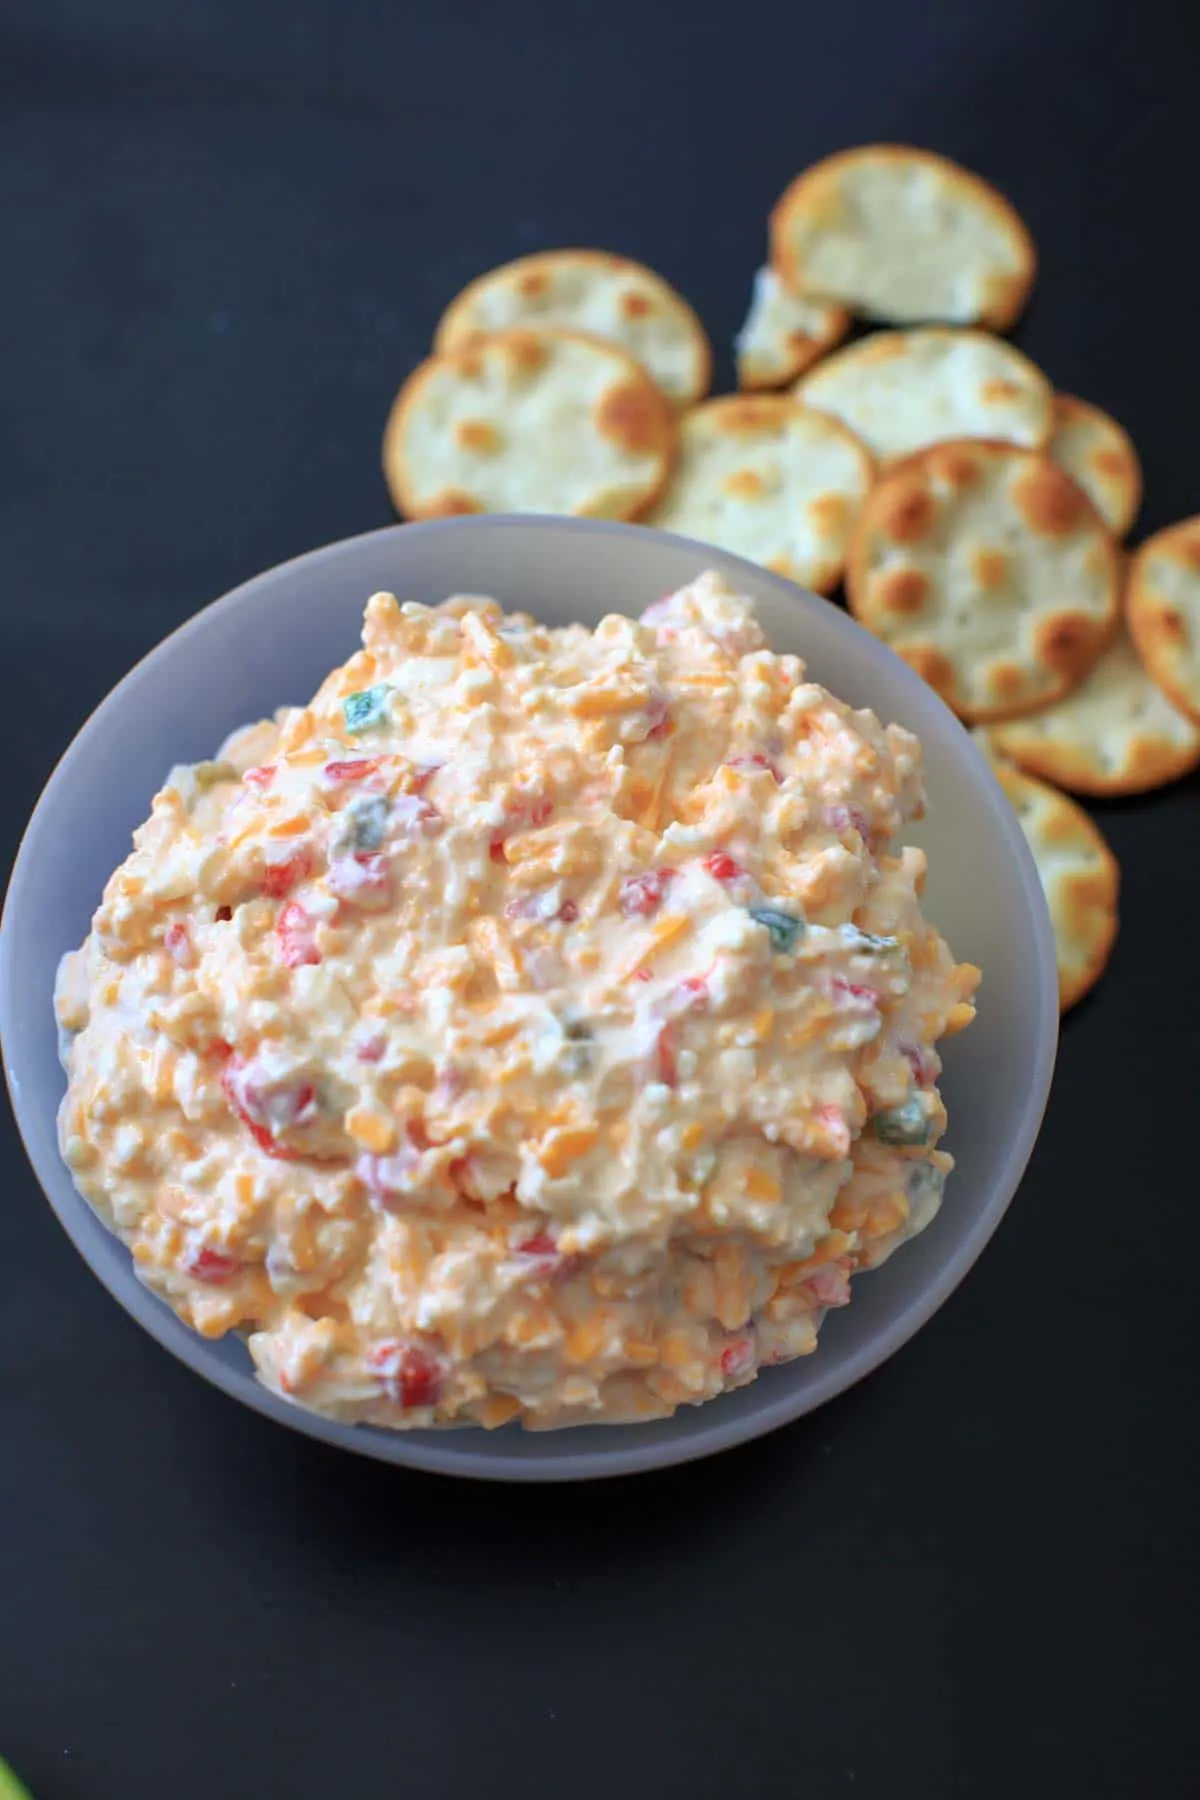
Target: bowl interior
[(270, 643)]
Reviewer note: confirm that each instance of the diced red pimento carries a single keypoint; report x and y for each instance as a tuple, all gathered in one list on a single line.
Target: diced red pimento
[(642, 895), (523, 810), (552, 1263), (666, 1066), (261, 777), (842, 817), (688, 995), (247, 1102), (659, 714), (371, 1049), (836, 1128), (855, 990), (921, 1062), (424, 775), (281, 877), (540, 1244), (829, 1286), (657, 609), (737, 1358), (387, 1178), (355, 768), (178, 943), (297, 936), (722, 867), (212, 1266), (463, 1172), (755, 759), (271, 1145), (364, 880), (414, 817), (541, 907), (410, 1374)]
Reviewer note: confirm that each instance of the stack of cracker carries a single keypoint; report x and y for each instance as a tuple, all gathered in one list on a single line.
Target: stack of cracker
[(974, 514)]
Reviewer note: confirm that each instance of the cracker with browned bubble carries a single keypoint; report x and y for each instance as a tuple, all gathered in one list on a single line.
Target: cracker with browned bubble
[(529, 421), (1079, 874), (1117, 733), (902, 235), (784, 333), (1164, 611), (1098, 454), (988, 570), (770, 480), (611, 297), (902, 390)]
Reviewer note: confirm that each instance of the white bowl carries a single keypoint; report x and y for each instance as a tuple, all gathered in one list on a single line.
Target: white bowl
[(269, 643)]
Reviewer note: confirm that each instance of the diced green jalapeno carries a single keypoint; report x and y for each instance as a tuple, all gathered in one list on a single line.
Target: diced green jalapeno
[(367, 709), (786, 930), (924, 1185), (579, 1056), (367, 821), (867, 940), (905, 1124)]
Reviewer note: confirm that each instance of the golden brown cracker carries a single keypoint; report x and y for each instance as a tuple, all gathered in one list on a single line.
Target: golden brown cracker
[(771, 481), (1098, 454), (902, 235), (610, 297), (902, 390), (529, 421), (1116, 733), (1164, 611), (1079, 874), (784, 333), (988, 570)]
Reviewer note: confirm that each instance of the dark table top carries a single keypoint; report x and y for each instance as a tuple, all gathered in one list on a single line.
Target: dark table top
[(228, 231)]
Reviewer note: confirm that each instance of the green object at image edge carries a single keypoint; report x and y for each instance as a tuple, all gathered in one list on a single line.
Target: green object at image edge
[(10, 1787)]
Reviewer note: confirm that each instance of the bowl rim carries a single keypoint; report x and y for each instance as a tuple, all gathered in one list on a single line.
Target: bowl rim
[(442, 1452)]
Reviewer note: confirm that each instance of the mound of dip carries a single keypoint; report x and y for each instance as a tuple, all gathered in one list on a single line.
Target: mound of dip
[(538, 1026)]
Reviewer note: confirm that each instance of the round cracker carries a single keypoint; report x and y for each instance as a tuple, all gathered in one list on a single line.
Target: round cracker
[(1164, 611), (610, 297), (902, 235), (902, 390), (1116, 734), (1080, 877), (1098, 454), (529, 421), (771, 481), (988, 570), (784, 333)]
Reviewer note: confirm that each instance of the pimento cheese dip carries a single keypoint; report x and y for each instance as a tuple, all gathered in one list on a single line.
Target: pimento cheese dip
[(538, 1026)]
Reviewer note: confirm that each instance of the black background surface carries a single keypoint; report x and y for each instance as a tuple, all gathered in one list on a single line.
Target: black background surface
[(227, 232)]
